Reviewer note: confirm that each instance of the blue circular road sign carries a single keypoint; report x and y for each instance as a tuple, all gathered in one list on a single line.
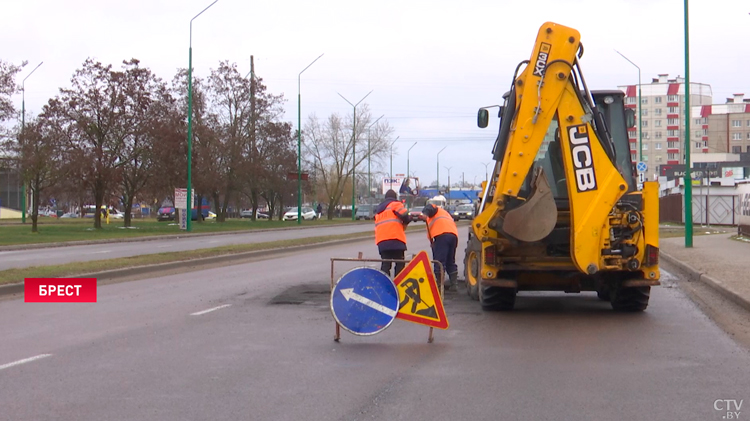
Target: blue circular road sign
[(364, 301), (641, 166)]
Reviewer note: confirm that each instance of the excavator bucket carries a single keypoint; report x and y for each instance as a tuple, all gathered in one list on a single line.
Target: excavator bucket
[(536, 218)]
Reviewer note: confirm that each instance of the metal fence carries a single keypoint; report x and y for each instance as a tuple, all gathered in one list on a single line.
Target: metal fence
[(707, 209)]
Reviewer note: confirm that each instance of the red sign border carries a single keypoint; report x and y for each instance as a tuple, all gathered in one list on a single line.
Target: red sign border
[(422, 258)]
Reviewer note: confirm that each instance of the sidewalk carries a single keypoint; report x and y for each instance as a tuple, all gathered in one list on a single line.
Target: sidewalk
[(714, 259)]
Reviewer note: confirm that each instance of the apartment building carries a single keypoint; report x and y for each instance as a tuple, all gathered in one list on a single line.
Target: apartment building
[(662, 112), (727, 126)]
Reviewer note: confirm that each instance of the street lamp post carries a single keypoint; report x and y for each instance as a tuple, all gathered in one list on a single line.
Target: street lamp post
[(190, 127), (299, 142), (392, 143), (485, 169), (449, 180), (23, 124), (408, 174), (438, 169), (369, 179), (354, 150), (640, 106)]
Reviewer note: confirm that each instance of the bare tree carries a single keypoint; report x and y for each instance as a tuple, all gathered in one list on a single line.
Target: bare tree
[(329, 149), (39, 156)]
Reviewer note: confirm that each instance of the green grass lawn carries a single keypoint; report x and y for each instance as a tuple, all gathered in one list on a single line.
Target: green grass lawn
[(51, 230)]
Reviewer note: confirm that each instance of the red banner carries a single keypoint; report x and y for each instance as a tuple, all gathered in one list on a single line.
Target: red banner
[(59, 290)]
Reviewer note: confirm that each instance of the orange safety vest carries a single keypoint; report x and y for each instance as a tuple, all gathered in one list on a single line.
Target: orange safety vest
[(388, 226), (441, 223)]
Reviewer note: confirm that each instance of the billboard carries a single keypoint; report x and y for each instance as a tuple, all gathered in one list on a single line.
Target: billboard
[(404, 186)]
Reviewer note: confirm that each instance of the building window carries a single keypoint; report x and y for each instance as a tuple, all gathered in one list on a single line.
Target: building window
[(672, 98), (697, 145), (657, 123), (673, 110), (657, 135), (644, 147), (705, 132), (748, 123), (672, 122), (672, 145), (657, 100), (658, 159), (631, 134), (748, 136), (645, 123), (705, 143), (644, 101), (657, 145), (657, 111), (671, 156), (645, 158), (736, 149), (736, 123), (671, 133), (736, 136), (631, 100), (645, 112), (633, 157), (698, 133)]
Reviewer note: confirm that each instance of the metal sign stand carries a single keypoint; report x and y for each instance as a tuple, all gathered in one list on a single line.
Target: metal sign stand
[(337, 335)]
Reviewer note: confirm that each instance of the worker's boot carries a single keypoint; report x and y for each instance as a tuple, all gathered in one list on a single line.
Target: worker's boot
[(452, 284)]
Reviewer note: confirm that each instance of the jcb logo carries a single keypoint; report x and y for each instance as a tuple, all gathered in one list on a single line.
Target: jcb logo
[(541, 59), (583, 160)]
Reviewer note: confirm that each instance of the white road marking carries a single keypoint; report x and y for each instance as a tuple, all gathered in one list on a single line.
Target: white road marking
[(24, 361), (213, 241), (100, 252), (210, 310)]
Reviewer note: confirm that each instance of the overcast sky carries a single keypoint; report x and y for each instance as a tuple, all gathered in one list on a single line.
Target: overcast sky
[(431, 64)]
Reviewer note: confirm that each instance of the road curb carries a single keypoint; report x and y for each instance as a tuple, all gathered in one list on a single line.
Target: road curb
[(109, 275), (723, 289)]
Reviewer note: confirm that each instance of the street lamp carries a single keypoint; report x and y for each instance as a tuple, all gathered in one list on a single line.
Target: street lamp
[(640, 123), (354, 149), (369, 180), (485, 169), (190, 126), (23, 124), (392, 143), (449, 180), (408, 174), (438, 169), (299, 142)]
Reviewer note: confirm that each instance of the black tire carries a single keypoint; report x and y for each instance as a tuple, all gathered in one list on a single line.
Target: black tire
[(472, 266), (630, 299), (497, 298), (603, 293)]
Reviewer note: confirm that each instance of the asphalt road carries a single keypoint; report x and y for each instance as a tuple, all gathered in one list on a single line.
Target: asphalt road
[(101, 251), (148, 350)]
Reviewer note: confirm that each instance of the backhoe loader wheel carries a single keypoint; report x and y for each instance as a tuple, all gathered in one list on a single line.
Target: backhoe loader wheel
[(603, 292), (630, 298), (497, 298), (472, 266)]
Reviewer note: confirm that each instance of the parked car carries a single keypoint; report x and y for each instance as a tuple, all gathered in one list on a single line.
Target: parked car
[(365, 212), (248, 213), (211, 216), (308, 214), (415, 214), (115, 214), (165, 213), (465, 211)]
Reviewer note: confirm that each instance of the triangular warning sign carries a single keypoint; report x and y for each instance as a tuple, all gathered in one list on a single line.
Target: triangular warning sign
[(419, 299)]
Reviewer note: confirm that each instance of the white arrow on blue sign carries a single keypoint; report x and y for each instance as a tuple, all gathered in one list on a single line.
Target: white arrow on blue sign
[(641, 166), (364, 301)]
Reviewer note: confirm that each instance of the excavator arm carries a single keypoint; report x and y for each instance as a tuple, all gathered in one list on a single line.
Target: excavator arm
[(548, 94)]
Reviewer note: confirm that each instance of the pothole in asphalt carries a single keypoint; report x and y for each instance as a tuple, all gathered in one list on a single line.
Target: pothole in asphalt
[(304, 294)]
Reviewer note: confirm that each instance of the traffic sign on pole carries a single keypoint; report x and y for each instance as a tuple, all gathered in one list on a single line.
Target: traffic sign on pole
[(641, 166), (364, 301)]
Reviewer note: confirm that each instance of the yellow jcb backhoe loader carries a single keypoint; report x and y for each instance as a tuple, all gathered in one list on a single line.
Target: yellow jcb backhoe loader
[(563, 210)]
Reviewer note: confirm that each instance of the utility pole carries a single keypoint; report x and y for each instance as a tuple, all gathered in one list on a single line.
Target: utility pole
[(688, 178)]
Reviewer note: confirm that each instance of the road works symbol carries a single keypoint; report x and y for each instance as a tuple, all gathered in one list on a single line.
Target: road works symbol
[(420, 301), (364, 301)]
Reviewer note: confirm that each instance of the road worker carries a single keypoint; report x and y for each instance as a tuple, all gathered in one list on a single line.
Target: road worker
[(443, 235), (391, 219)]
